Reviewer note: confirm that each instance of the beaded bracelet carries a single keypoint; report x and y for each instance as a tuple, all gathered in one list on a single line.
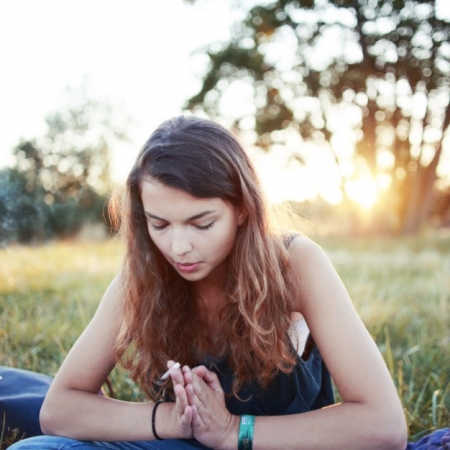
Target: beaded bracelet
[(246, 426), (153, 420)]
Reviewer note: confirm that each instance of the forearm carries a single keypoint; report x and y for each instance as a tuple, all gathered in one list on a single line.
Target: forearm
[(86, 416), (345, 426)]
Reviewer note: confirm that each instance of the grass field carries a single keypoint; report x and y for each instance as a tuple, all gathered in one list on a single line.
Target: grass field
[(401, 288)]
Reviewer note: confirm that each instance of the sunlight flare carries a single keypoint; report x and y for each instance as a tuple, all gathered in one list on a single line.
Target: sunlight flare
[(363, 191)]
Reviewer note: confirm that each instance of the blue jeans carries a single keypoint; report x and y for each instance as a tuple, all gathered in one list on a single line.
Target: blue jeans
[(63, 443)]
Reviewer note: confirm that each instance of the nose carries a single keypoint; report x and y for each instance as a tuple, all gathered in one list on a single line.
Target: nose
[(180, 242)]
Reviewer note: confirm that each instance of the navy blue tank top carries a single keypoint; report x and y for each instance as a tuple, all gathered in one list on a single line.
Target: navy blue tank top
[(306, 388)]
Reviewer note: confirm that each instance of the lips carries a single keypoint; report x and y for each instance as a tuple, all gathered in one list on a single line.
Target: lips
[(187, 267)]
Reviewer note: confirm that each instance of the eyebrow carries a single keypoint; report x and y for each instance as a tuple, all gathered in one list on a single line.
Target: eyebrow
[(195, 217)]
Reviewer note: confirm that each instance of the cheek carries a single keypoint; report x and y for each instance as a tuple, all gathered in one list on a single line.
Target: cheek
[(228, 239), (157, 241)]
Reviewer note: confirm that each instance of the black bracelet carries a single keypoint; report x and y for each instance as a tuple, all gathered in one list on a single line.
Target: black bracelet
[(153, 420)]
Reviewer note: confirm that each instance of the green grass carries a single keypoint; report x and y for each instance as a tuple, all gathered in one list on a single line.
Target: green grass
[(401, 288)]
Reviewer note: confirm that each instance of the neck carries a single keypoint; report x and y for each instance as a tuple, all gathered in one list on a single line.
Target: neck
[(210, 299)]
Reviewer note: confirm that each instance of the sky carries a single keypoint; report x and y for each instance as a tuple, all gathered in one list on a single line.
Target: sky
[(137, 54), (140, 55)]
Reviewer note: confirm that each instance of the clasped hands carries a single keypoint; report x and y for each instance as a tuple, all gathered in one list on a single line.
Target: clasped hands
[(200, 409)]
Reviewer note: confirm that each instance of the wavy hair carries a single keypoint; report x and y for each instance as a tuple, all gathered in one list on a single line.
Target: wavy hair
[(160, 319)]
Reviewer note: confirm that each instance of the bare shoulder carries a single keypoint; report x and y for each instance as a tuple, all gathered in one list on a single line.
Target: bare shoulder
[(114, 297), (313, 274), (304, 252)]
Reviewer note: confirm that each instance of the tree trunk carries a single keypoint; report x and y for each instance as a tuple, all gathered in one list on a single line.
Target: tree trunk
[(419, 198)]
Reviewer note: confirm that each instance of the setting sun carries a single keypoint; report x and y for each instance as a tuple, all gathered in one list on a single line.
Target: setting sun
[(363, 191)]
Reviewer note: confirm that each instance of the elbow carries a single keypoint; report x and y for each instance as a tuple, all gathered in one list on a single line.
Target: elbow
[(395, 440), (46, 420), (392, 434), (49, 420)]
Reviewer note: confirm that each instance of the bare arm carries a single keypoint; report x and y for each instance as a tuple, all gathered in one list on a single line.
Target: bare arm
[(73, 407), (370, 415)]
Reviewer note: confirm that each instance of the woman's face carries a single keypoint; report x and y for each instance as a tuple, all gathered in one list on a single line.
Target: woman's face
[(195, 235)]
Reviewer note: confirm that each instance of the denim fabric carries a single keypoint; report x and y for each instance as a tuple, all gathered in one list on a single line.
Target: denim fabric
[(62, 443), (21, 395)]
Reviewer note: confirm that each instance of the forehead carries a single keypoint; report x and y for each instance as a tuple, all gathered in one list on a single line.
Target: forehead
[(170, 203)]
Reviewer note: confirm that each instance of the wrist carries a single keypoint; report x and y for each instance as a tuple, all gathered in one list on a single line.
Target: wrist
[(165, 421), (231, 442), (246, 428)]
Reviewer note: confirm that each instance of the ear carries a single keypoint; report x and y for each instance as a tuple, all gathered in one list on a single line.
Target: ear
[(241, 215)]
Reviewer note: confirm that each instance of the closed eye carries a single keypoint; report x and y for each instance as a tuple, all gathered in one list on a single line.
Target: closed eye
[(158, 227), (205, 227)]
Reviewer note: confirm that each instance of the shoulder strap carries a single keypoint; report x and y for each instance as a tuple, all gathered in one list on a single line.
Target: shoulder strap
[(288, 238)]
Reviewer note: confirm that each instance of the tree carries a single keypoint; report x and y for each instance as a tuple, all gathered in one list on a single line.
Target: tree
[(65, 173), (383, 65), (73, 156)]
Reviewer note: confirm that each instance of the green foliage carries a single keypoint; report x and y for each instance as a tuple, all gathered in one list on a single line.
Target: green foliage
[(72, 157), (307, 63), (60, 180), (27, 217), (400, 287)]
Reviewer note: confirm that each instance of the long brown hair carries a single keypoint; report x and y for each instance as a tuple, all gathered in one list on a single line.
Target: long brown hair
[(160, 320)]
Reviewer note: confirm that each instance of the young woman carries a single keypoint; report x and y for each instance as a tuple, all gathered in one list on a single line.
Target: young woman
[(248, 313)]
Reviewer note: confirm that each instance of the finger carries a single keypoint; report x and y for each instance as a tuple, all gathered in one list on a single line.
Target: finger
[(186, 417), (181, 398), (204, 398), (187, 374), (209, 377), (183, 410), (170, 363), (197, 421), (177, 376), (200, 370), (191, 397), (198, 396)]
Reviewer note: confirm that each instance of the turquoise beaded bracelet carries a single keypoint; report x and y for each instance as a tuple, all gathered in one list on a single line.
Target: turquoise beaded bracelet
[(246, 426)]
